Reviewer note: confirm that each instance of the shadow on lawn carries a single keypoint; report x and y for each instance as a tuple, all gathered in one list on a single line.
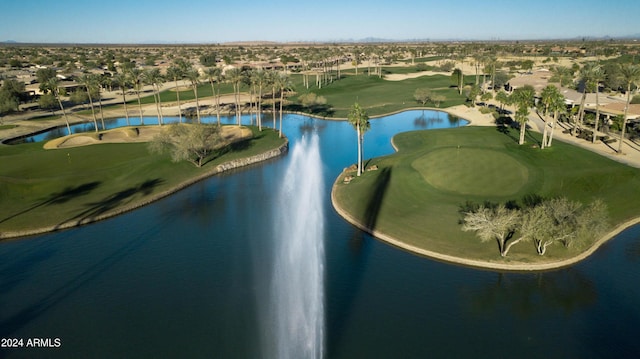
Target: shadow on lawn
[(377, 196), (115, 200), (63, 196), (506, 125)]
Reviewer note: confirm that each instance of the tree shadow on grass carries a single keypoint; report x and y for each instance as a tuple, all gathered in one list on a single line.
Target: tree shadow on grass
[(111, 202), (63, 196), (505, 125), (376, 198)]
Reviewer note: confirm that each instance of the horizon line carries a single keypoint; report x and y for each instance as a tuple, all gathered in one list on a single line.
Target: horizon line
[(329, 41)]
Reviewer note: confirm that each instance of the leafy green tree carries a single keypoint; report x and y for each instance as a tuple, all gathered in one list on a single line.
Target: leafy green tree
[(422, 95), (359, 119), (79, 97), (187, 142), (10, 94), (43, 75), (48, 102), (208, 59), (437, 99)]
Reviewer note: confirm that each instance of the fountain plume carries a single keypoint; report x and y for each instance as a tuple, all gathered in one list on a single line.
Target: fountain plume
[(297, 290)]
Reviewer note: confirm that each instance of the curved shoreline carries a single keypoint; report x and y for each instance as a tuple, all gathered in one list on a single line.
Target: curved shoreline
[(514, 267), (223, 167), (60, 122)]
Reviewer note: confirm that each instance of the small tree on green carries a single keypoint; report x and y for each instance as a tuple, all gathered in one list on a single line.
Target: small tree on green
[(422, 95), (192, 143)]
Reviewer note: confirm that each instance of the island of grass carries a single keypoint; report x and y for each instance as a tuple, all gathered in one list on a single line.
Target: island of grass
[(414, 197), (48, 189)]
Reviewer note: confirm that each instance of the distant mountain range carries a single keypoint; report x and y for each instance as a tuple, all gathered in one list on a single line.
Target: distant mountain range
[(364, 40)]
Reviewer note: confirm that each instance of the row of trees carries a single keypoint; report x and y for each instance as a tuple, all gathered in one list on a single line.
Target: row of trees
[(259, 82), (542, 223)]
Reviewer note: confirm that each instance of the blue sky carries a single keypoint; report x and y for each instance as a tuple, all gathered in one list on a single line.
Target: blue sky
[(215, 21)]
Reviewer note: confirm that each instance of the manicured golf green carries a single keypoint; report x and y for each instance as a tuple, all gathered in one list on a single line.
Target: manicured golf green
[(416, 194), (41, 188)]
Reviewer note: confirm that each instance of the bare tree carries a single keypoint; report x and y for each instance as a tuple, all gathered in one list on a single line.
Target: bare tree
[(192, 143), (492, 223)]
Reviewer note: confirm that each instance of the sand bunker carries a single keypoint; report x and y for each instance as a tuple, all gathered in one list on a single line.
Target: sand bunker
[(134, 134)]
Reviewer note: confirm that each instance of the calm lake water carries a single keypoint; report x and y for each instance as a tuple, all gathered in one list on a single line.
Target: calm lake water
[(186, 277)]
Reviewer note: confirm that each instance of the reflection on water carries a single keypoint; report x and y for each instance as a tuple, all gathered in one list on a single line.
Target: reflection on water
[(526, 296)]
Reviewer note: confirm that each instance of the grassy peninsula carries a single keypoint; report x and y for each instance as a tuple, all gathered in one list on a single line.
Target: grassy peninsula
[(415, 196), (69, 186)]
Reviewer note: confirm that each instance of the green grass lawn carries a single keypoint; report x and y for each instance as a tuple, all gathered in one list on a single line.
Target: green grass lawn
[(41, 188), (417, 193), (379, 96)]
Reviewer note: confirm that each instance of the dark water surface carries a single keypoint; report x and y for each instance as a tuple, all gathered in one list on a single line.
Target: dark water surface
[(187, 277)]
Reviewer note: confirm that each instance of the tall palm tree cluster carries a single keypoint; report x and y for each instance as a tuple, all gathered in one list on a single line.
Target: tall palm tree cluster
[(258, 84), (553, 104)]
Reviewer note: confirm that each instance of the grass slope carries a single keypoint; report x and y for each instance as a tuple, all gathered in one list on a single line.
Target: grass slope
[(379, 96), (416, 194), (40, 188)]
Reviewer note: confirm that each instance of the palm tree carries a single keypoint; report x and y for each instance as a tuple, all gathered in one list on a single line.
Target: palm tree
[(359, 119), (587, 74), (259, 78), (284, 84), (458, 79), (523, 98), (597, 75), (272, 77), (194, 77), (562, 74), (235, 77), (152, 77), (136, 78), (122, 80), (52, 85), (176, 73), (214, 74), (558, 107), (89, 82), (630, 74), (553, 101), (502, 98)]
